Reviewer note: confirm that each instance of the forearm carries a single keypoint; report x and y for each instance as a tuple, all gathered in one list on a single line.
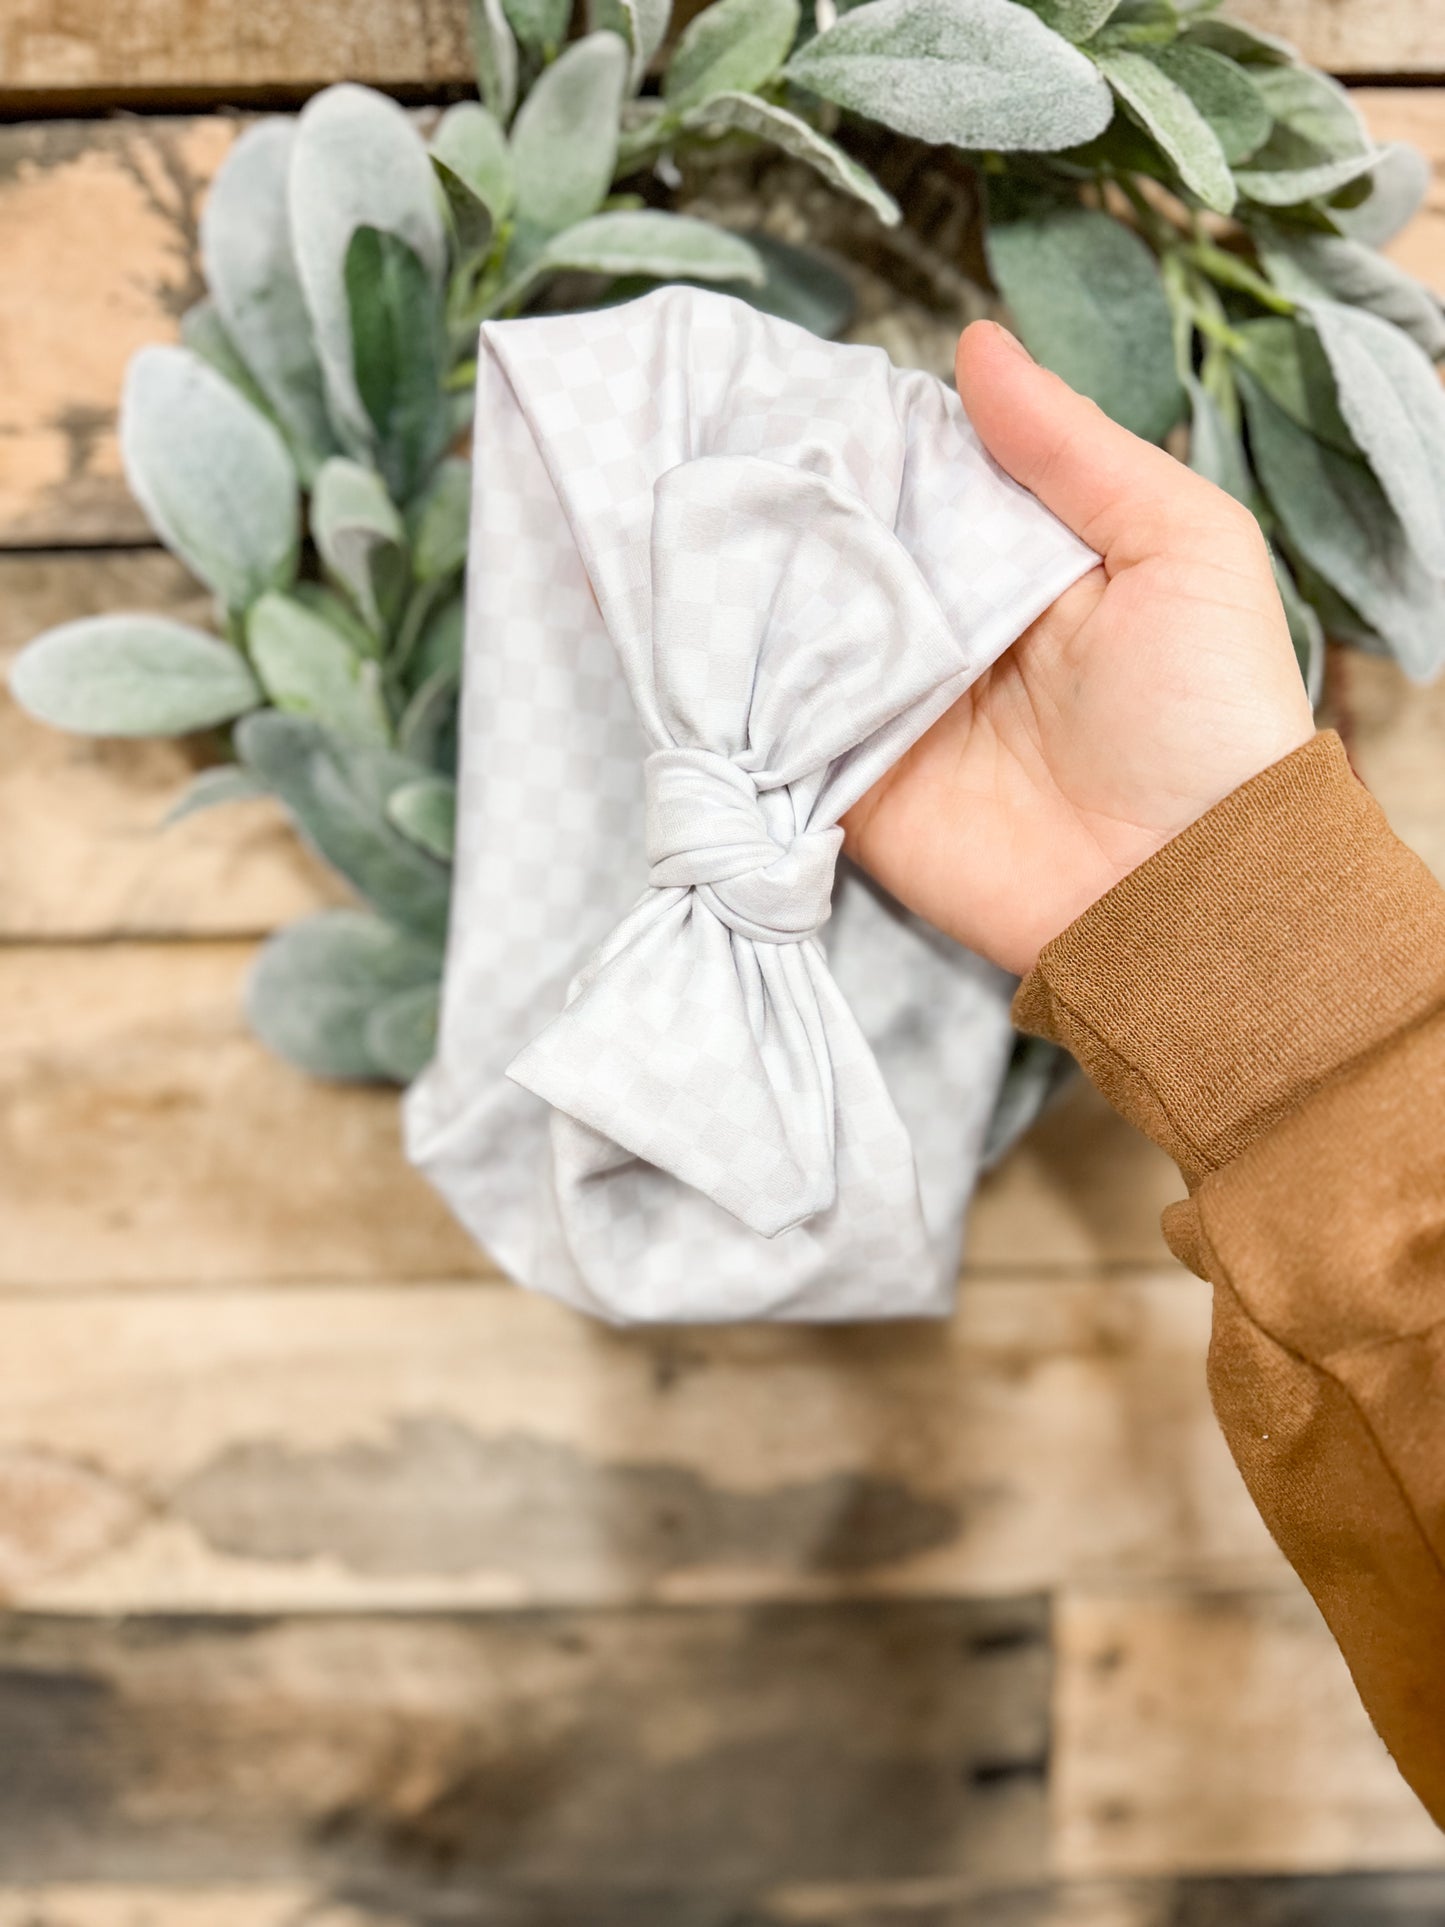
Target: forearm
[(1266, 998)]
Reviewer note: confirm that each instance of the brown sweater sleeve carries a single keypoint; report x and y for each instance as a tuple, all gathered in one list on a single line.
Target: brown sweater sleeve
[(1265, 998)]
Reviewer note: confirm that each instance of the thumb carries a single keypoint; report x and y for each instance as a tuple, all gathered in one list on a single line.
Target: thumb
[(1122, 495)]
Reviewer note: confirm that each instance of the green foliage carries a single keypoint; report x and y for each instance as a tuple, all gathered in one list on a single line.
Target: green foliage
[(349, 262)]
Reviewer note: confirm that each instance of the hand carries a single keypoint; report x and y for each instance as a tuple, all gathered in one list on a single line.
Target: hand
[(1147, 692)]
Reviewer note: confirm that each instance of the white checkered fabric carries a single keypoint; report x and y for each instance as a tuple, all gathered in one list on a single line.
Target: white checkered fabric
[(722, 575)]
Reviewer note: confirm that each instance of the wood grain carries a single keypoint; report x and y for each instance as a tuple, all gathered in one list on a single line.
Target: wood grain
[(98, 223), (64, 49), (559, 1759), (463, 1446), (82, 848), (1195, 1732)]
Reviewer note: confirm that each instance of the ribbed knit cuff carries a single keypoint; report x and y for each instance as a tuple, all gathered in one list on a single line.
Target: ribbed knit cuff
[(1275, 941)]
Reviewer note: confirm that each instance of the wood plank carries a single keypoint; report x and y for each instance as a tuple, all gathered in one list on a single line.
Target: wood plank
[(560, 1759), (448, 1446), (59, 48), (1355, 36), (98, 221), (82, 850), (1339, 1900), (147, 1139), (1201, 1733), (67, 48)]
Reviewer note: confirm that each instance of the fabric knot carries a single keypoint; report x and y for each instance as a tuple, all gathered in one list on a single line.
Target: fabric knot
[(707, 831)]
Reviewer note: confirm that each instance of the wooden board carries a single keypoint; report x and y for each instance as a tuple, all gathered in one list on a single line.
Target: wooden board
[(579, 1761), (147, 1139), (62, 49), (98, 222), (65, 49), (464, 1446), (82, 848), (1339, 1900), (1198, 1732)]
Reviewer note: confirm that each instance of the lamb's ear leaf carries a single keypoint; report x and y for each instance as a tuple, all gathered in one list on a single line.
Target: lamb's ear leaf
[(494, 52), (1306, 631), (1248, 45), (1306, 266), (209, 789), (733, 46), (1399, 183), (211, 473), (474, 165), (1390, 396), (1335, 515), (564, 140), (978, 74), (800, 286), (316, 985), (1087, 300), (647, 241), (251, 271), (1169, 115), (308, 669), (1314, 119), (747, 114), (337, 794), (358, 162), (132, 675), (1075, 19), (1223, 93), (361, 538), (398, 339), (426, 812), (401, 1033), (438, 521), (540, 25), (1215, 449), (1292, 187), (642, 24), (1289, 363)]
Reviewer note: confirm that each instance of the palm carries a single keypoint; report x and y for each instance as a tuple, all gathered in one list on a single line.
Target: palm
[(1142, 696)]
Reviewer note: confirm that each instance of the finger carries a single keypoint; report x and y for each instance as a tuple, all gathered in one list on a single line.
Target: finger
[(1120, 493)]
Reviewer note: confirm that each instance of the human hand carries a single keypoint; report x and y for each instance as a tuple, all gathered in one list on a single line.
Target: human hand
[(1157, 684)]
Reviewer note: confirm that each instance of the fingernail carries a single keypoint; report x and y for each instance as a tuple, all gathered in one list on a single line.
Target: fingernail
[(1013, 341)]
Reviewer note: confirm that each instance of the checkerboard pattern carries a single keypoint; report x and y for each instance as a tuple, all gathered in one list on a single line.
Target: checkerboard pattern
[(722, 574)]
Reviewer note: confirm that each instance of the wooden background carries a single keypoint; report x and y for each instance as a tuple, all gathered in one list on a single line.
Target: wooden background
[(345, 1583)]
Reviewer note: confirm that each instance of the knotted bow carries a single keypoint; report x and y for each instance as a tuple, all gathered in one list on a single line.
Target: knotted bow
[(790, 629)]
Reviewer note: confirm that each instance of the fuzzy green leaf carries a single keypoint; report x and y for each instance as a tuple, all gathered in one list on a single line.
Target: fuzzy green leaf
[(426, 812), (642, 25), (474, 165), (1248, 45), (316, 985), (1075, 19), (358, 163), (1166, 112), (127, 675), (1391, 398), (494, 51), (428, 729), (438, 522), (361, 538), (1335, 514), (974, 73), (398, 347), (732, 46), (671, 247), (1215, 450), (308, 670), (1306, 631), (440, 645), (799, 286), (1223, 93), (1088, 302), (749, 115), (211, 789), (204, 333), (1289, 363), (212, 475), (251, 271), (540, 25), (1291, 187), (1398, 186), (337, 793), (1306, 266), (401, 1033), (1315, 119), (564, 142)]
